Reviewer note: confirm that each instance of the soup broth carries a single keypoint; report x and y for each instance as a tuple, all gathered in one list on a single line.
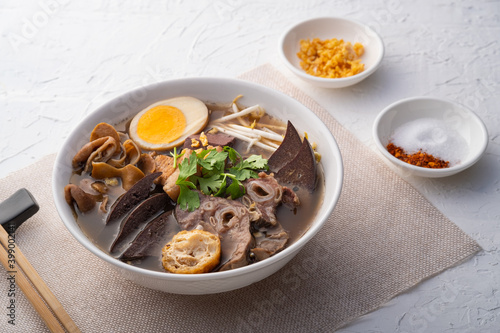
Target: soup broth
[(296, 222)]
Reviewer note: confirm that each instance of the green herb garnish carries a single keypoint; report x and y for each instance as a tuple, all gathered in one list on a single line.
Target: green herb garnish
[(187, 199), (176, 156), (215, 179)]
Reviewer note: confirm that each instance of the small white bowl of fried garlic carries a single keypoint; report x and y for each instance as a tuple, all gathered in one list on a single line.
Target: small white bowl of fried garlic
[(331, 52)]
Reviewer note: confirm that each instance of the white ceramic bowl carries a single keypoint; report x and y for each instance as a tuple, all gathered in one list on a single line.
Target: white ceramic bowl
[(209, 90), (328, 28), (458, 117)]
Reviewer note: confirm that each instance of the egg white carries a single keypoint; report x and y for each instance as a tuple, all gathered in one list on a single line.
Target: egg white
[(195, 112)]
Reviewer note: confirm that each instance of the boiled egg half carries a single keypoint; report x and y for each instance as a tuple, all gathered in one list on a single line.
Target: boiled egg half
[(166, 124)]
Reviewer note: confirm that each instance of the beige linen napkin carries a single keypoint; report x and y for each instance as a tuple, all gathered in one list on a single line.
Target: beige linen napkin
[(383, 238)]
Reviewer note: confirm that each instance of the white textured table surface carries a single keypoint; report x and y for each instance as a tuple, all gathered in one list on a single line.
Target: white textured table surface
[(60, 60)]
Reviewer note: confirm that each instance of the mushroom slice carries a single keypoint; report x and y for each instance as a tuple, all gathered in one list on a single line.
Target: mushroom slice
[(99, 150), (129, 174), (132, 151), (131, 155), (147, 164), (121, 161), (100, 187), (74, 194), (103, 207), (104, 129)]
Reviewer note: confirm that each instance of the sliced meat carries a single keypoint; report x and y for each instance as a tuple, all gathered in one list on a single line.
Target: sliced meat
[(270, 241), (170, 187), (136, 194), (264, 195), (228, 219), (217, 139), (165, 165), (287, 150), (289, 198)]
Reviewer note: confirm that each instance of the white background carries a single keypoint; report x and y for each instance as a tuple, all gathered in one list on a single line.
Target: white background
[(59, 61)]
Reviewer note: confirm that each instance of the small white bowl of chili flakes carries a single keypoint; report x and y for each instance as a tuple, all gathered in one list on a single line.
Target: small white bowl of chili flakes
[(331, 52), (430, 137)]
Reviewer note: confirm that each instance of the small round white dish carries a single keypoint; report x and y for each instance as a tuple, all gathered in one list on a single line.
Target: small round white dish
[(328, 28), (461, 119), (218, 90)]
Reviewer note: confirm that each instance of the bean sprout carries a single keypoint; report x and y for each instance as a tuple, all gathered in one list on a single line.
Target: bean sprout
[(245, 138), (255, 132), (239, 114)]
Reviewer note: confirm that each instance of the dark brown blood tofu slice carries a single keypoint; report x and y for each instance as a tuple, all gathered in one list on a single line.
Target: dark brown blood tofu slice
[(137, 193), (141, 214), (148, 239), (287, 150), (301, 170), (293, 162)]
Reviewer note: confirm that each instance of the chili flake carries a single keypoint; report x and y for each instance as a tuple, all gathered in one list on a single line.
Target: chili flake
[(419, 158)]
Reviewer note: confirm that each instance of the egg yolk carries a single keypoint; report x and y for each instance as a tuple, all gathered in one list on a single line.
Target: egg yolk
[(161, 124)]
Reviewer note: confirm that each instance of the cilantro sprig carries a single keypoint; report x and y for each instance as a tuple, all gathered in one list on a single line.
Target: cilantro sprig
[(206, 171), (187, 168)]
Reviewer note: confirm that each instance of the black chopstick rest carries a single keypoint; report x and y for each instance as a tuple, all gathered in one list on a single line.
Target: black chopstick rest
[(16, 209)]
